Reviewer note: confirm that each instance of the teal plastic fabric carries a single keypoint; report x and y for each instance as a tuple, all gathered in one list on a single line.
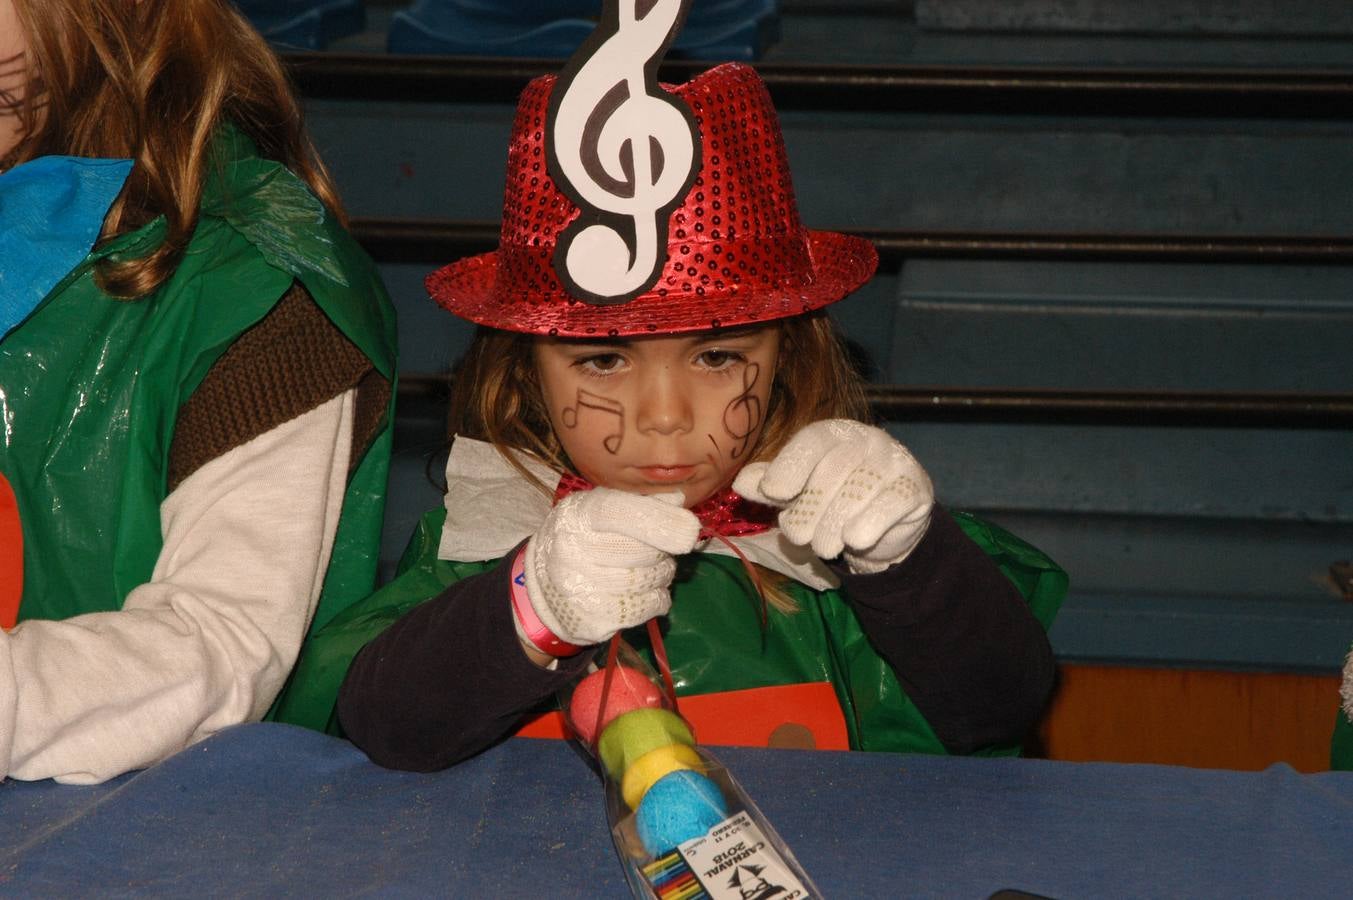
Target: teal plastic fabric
[(51, 212)]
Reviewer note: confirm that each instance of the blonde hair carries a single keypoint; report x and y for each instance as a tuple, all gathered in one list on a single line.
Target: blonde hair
[(152, 80), (496, 397)]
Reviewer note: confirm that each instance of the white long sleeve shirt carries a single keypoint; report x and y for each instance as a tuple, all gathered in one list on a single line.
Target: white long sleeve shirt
[(210, 639)]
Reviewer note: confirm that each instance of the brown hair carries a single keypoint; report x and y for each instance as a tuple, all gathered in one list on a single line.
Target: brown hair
[(496, 395), (152, 80)]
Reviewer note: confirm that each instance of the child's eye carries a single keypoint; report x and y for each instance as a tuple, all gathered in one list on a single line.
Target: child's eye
[(601, 363), (719, 359)]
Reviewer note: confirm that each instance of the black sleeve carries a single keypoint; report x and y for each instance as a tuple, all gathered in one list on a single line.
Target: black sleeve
[(447, 680), (964, 644)]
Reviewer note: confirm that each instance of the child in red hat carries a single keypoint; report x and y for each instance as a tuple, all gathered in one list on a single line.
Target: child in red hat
[(654, 392)]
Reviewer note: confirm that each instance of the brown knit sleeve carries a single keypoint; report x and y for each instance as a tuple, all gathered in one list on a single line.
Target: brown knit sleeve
[(289, 363)]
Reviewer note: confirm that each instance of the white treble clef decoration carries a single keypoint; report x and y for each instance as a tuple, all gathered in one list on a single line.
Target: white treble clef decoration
[(622, 149)]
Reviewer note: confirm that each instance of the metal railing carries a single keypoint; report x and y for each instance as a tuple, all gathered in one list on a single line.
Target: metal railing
[(435, 241), (1318, 94), (428, 394)]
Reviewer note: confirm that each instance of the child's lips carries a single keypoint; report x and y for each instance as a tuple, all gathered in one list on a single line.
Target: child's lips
[(662, 474)]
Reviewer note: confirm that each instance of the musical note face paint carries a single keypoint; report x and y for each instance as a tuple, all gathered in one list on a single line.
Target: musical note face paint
[(657, 414), (13, 75), (597, 404), (622, 149)]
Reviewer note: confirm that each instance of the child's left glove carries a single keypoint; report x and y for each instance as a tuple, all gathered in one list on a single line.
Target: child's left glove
[(845, 486)]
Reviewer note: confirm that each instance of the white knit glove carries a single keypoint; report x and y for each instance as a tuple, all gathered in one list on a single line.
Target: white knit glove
[(845, 486), (602, 561)]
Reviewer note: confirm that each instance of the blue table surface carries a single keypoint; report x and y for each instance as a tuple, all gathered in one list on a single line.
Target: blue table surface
[(272, 810)]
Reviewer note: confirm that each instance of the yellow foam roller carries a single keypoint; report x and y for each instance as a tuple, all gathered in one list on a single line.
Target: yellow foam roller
[(644, 772)]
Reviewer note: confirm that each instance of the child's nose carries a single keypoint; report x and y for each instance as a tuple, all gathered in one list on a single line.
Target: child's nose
[(664, 404)]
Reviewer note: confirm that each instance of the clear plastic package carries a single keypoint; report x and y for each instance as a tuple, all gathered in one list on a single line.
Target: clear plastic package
[(682, 826)]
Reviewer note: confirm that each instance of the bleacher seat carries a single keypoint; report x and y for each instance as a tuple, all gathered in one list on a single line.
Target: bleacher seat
[(305, 24), (1188, 545), (715, 29)]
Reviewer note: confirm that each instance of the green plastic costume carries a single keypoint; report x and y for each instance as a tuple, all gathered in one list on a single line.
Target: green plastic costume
[(1341, 745), (1341, 742), (713, 637), (90, 386)]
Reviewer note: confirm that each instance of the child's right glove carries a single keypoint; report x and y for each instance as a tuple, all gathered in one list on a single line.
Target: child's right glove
[(603, 561), (845, 486)]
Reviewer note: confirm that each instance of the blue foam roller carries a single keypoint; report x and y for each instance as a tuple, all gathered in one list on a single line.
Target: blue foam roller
[(680, 806)]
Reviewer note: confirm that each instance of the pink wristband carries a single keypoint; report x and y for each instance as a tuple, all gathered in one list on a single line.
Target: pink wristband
[(541, 637)]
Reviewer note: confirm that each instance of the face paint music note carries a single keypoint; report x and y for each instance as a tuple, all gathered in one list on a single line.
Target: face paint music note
[(622, 149), (588, 400), (742, 416)]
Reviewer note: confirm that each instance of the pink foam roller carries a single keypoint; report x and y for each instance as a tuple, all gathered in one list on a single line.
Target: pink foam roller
[(629, 690)]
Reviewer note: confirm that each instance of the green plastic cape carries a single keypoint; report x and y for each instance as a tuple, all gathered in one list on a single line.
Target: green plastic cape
[(90, 386), (713, 636), (1341, 745), (1341, 742)]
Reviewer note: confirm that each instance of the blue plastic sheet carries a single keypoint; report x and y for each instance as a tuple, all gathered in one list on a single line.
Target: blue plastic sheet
[(51, 212)]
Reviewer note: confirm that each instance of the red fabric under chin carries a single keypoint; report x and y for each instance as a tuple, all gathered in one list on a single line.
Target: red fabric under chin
[(725, 513)]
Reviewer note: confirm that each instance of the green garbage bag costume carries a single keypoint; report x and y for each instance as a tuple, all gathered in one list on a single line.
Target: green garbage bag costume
[(713, 633), (1341, 744), (92, 385)]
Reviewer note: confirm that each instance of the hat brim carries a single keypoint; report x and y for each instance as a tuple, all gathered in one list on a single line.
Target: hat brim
[(839, 264)]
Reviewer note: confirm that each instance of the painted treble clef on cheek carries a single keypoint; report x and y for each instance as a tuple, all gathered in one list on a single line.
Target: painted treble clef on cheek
[(742, 416), (622, 149)]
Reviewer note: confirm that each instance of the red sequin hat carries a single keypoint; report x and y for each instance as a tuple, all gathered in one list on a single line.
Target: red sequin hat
[(736, 250)]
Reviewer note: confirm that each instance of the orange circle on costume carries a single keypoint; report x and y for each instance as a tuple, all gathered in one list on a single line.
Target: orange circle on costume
[(11, 556), (645, 771)]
